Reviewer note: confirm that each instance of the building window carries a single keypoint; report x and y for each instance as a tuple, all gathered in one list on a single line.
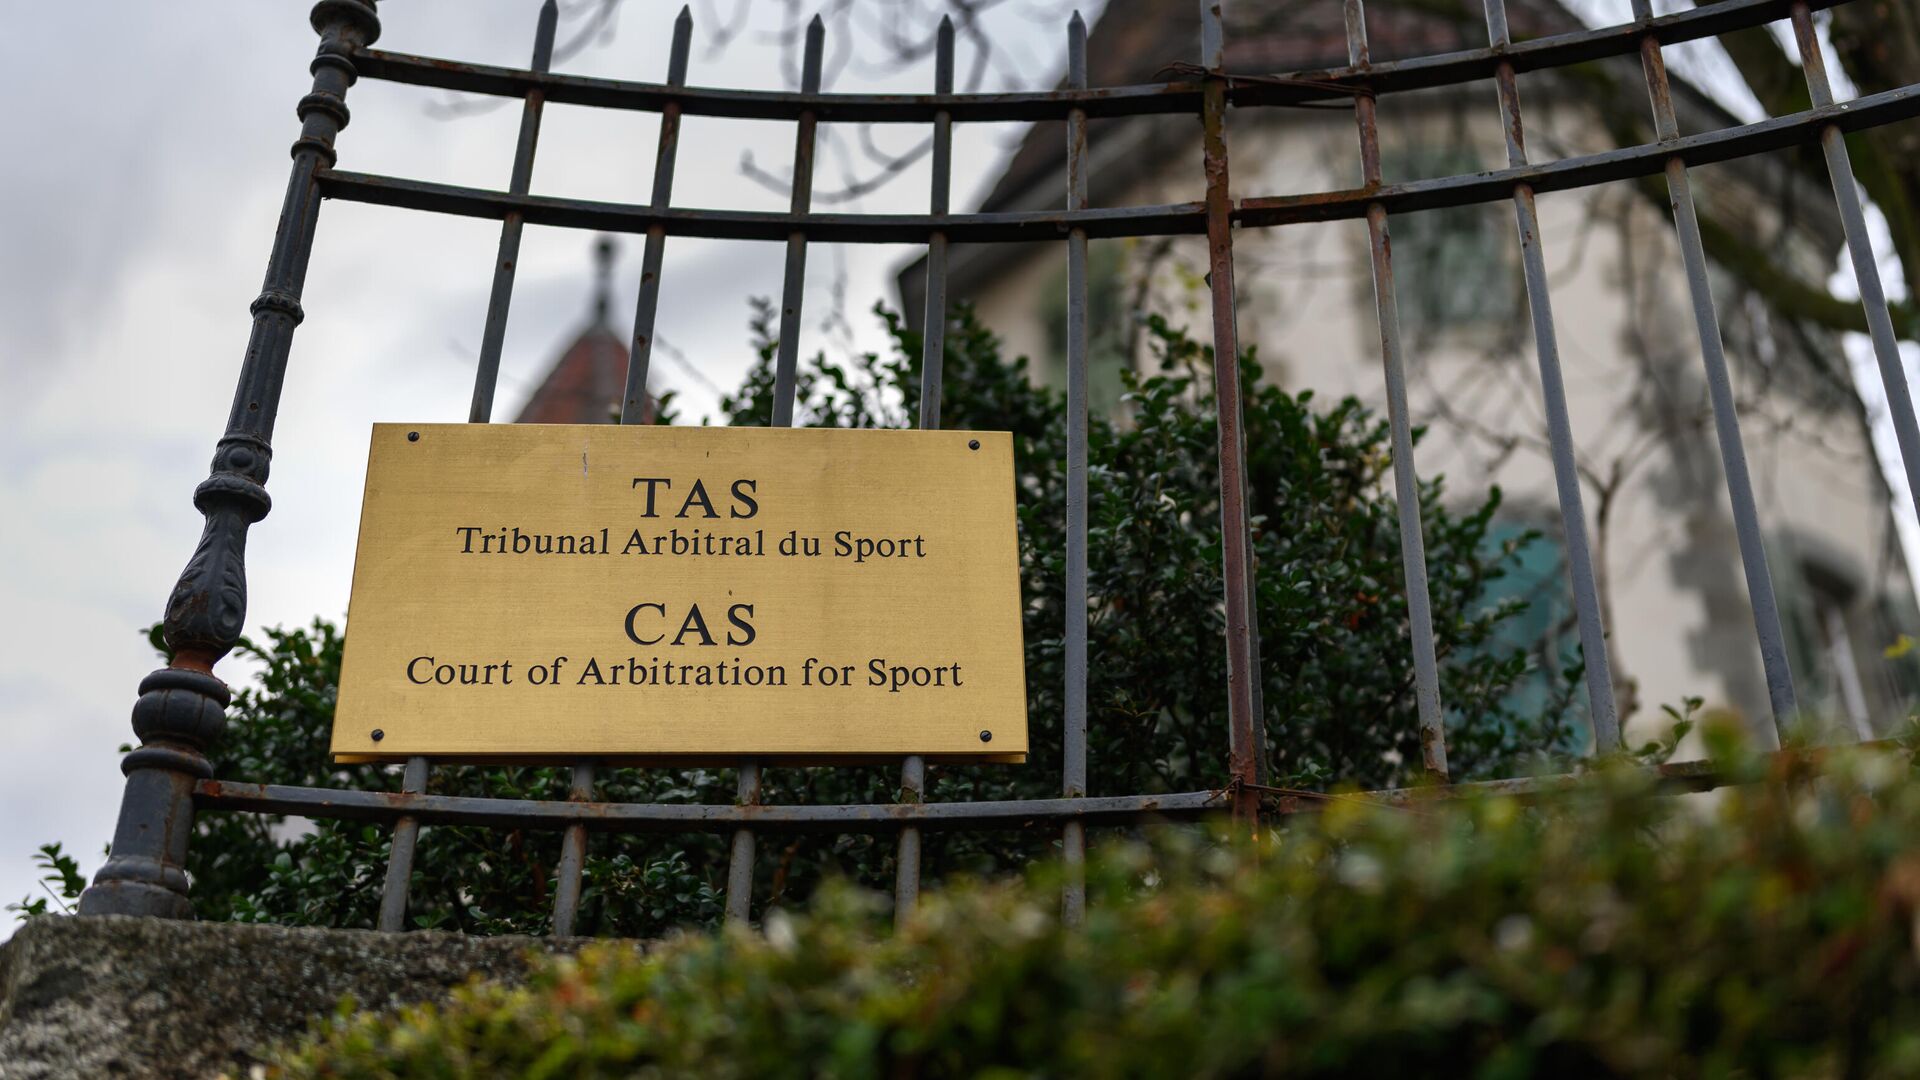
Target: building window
[(1107, 323), (1896, 621), (1830, 683), (1454, 268), (1546, 629)]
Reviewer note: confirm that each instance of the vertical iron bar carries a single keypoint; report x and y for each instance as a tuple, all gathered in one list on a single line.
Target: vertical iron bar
[(787, 360), (1258, 689), (494, 334), (406, 835), (1866, 272), (740, 858), (934, 339), (1252, 741), (638, 404), (182, 707), (1726, 419), (913, 771), (1073, 770), (1406, 477), (635, 408), (906, 863), (1573, 515), (393, 903), (1243, 741), (573, 855), (740, 864)]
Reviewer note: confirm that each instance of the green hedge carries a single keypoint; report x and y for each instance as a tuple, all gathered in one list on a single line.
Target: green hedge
[(1766, 931)]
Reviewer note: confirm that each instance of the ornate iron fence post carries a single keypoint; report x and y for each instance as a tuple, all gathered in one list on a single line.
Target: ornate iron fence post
[(182, 707)]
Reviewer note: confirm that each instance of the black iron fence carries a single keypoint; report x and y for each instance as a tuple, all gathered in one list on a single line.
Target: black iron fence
[(180, 712)]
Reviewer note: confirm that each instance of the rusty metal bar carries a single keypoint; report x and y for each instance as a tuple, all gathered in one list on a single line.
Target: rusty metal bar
[(913, 771), (1566, 476), (1726, 418), (181, 710), (573, 855), (406, 837), (1212, 59), (1406, 477), (556, 815), (661, 818), (637, 402), (1176, 219), (740, 856), (1417, 73), (786, 366), (1073, 767), (493, 336), (1241, 676), (906, 860), (1866, 272)]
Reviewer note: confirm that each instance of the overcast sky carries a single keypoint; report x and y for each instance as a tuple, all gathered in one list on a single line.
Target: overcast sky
[(145, 165)]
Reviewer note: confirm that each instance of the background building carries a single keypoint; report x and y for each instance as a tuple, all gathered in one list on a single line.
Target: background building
[(1672, 592)]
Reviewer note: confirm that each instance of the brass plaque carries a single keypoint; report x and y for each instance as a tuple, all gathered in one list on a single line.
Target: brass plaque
[(546, 592)]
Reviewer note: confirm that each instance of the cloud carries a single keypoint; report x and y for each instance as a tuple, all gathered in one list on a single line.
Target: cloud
[(146, 169)]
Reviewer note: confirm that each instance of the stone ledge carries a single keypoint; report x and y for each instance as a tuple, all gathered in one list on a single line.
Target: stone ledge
[(120, 996)]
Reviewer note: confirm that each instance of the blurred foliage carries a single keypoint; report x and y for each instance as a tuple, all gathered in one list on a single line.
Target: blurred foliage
[(60, 878), (1774, 932), (1338, 679)]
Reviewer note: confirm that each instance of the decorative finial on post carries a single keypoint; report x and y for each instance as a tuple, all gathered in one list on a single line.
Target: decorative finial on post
[(810, 65), (543, 33), (1358, 52), (1077, 51), (943, 56), (603, 255), (682, 45), (1213, 37)]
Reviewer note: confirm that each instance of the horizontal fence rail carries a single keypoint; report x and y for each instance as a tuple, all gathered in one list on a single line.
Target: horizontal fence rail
[(1626, 163), (1422, 73), (1100, 811), (181, 710)]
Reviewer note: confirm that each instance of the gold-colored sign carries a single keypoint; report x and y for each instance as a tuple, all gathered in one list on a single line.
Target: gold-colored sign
[(557, 591)]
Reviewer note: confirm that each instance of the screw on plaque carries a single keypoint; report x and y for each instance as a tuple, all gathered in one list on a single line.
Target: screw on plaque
[(413, 436), (973, 444), (378, 734), (986, 736)]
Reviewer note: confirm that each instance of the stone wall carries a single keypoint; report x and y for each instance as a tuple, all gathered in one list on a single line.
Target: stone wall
[(112, 996)]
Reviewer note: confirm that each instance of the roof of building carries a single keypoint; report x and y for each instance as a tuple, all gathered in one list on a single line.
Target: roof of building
[(589, 380), (1134, 41)]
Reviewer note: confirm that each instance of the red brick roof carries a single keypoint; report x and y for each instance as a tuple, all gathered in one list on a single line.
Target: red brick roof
[(585, 385)]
